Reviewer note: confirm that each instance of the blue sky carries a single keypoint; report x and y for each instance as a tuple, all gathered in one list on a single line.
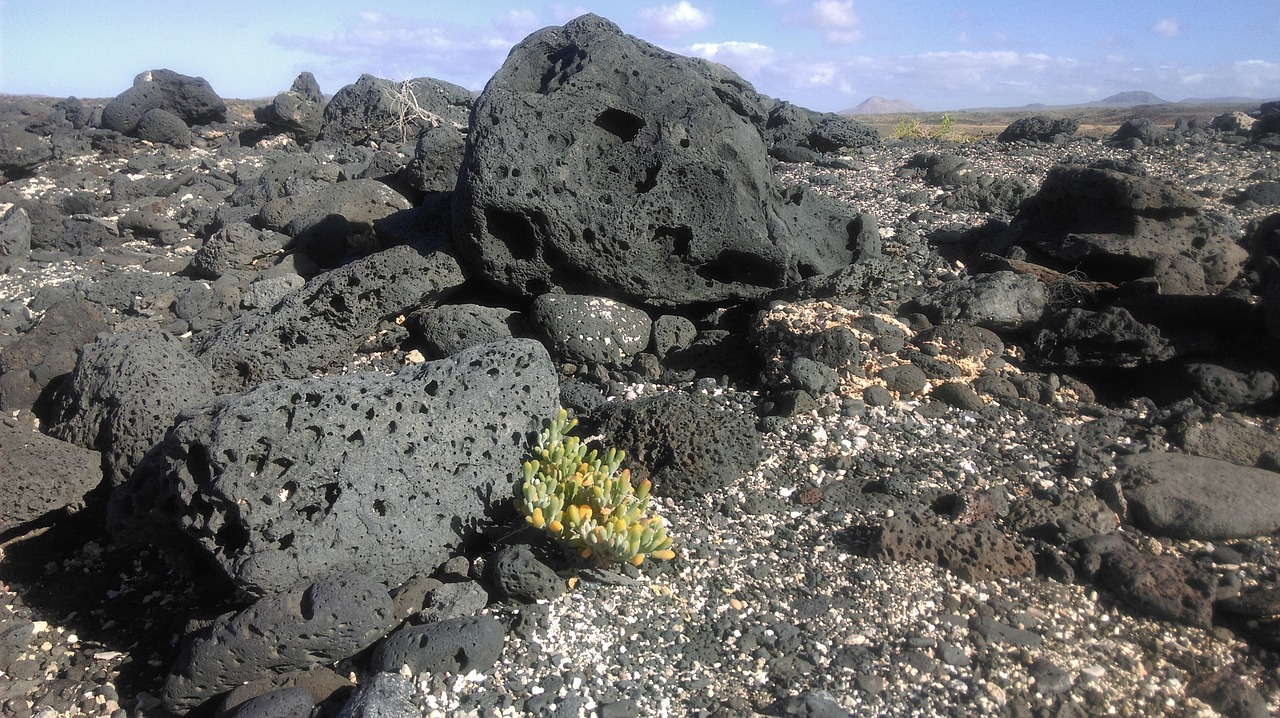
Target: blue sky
[(823, 54)]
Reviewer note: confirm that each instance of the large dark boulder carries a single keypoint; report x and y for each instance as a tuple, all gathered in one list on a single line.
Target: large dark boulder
[(322, 323), (161, 126), (383, 474), (125, 392), (1116, 225), (600, 164), (377, 110), (191, 99), (334, 220)]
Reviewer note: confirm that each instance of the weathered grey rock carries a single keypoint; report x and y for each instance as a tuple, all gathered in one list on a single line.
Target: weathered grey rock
[(1114, 225), (288, 175), (21, 152), (672, 333), (1039, 128), (450, 328), (1144, 130), (162, 126), (383, 695), (1195, 497), (437, 158), (15, 238), (39, 474), (1165, 587), (282, 703), (458, 645), (1223, 387), (958, 394), (685, 448), (47, 352), (598, 162), (518, 574), (238, 247), (972, 552), (191, 99), (298, 111), (321, 684), (381, 474), (1002, 301), (377, 110), (335, 220), (1111, 337), (1234, 438), (125, 393), (590, 329), (318, 623), (322, 323)]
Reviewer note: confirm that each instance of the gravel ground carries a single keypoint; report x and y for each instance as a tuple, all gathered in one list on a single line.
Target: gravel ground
[(772, 597)]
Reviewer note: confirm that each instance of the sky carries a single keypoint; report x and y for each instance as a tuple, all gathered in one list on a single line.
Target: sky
[(827, 55)]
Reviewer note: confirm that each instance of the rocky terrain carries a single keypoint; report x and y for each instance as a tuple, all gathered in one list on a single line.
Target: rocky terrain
[(939, 428)]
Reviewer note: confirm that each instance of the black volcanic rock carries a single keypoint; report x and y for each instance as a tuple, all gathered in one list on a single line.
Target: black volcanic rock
[(191, 99), (386, 475), (598, 163), (298, 111), (377, 110), (1039, 128)]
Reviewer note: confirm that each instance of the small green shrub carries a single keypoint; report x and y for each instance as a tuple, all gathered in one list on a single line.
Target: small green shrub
[(583, 500), (909, 128)]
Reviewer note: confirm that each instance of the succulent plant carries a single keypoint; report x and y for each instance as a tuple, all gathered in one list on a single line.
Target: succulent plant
[(582, 499)]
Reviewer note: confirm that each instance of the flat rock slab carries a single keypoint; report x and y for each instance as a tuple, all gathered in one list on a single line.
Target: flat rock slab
[(1193, 497)]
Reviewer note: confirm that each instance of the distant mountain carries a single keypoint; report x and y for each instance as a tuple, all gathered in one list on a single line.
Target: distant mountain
[(1128, 99), (877, 105)]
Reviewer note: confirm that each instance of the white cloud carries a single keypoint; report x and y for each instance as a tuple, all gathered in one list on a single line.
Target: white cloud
[(673, 20), (746, 58), (836, 20), (1167, 27)]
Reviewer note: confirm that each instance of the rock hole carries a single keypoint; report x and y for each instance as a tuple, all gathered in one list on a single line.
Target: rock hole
[(650, 179), (391, 427), (380, 507), (288, 490), (356, 437), (198, 465), (432, 388), (624, 125), (286, 542), (331, 494), (307, 607), (677, 238), (338, 303), (231, 538), (514, 230), (685, 143)]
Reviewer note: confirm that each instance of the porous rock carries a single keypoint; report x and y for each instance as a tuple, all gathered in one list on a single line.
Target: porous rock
[(973, 552), (322, 323), (518, 574), (298, 111), (1002, 301), (15, 237), (1039, 128), (684, 447), (590, 329), (597, 161), (1225, 387), (1194, 497), (376, 110), (1109, 338), (320, 683), (383, 695), (1234, 438), (124, 394), (384, 474), (334, 220), (282, 703), (191, 99), (1114, 225), (458, 645), (321, 622), (450, 328), (1170, 588), (47, 352), (162, 126), (22, 151), (436, 159), (238, 247), (40, 474)]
